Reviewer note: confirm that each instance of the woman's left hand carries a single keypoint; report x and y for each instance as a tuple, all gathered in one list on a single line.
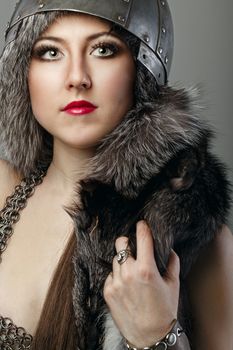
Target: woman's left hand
[(143, 304)]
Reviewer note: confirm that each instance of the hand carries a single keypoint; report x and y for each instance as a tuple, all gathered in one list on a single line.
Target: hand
[(143, 304)]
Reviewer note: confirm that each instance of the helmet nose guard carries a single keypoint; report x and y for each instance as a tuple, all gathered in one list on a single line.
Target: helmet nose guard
[(149, 20)]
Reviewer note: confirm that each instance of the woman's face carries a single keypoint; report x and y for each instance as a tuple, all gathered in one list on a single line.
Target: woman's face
[(77, 61)]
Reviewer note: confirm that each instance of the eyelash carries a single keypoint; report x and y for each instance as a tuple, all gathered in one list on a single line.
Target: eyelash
[(43, 49), (40, 51), (109, 45)]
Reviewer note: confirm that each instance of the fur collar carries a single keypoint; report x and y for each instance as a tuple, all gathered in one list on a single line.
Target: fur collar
[(151, 135), (155, 165)]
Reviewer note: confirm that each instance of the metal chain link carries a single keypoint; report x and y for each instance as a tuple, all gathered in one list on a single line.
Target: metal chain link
[(10, 214), (13, 337)]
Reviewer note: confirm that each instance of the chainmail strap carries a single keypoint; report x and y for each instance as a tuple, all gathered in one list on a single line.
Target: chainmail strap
[(13, 337), (10, 214)]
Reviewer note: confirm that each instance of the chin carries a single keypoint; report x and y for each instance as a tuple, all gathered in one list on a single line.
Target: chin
[(80, 144)]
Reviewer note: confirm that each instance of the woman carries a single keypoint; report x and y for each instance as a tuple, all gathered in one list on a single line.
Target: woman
[(83, 104)]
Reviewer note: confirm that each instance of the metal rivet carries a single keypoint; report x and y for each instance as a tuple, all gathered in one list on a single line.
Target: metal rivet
[(163, 30), (121, 18), (41, 6), (146, 38), (163, 3), (166, 60), (160, 50)]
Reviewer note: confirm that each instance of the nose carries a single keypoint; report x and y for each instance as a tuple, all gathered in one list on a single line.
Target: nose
[(77, 75)]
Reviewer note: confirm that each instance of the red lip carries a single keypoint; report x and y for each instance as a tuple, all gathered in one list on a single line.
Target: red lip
[(79, 107)]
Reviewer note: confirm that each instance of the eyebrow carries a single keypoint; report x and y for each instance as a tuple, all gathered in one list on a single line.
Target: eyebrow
[(89, 38)]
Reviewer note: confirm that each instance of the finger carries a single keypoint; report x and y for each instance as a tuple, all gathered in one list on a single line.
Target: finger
[(121, 248), (145, 247), (109, 279), (173, 267), (107, 284), (121, 243)]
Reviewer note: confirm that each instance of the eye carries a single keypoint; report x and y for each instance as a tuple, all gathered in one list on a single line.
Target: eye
[(51, 54), (104, 49), (48, 53)]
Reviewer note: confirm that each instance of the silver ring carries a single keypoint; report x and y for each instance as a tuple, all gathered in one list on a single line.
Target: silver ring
[(122, 256)]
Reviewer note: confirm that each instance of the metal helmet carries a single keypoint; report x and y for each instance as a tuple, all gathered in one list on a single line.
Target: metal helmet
[(149, 20)]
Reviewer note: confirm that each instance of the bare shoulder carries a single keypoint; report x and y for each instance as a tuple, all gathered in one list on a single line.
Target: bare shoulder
[(210, 286), (9, 178)]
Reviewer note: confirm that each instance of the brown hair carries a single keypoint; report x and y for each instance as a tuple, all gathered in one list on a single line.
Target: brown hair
[(56, 329)]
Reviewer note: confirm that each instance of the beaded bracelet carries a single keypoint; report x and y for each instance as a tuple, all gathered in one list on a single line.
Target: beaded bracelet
[(169, 340)]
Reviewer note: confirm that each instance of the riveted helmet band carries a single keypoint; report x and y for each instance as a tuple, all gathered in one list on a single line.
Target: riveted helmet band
[(149, 20)]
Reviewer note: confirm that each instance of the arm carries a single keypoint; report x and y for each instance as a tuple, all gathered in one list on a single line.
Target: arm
[(211, 293)]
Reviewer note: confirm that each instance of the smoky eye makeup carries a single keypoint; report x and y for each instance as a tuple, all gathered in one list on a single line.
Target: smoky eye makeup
[(99, 49), (104, 49), (46, 52)]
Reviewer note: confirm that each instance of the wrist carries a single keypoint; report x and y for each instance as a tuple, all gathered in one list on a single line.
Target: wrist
[(174, 339)]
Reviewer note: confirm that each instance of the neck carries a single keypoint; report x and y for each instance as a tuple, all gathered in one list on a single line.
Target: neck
[(68, 166)]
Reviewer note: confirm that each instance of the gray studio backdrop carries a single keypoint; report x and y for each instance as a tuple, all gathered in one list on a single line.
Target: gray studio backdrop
[(203, 54)]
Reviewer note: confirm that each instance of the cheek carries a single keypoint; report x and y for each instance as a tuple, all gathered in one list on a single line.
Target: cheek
[(118, 83), (35, 88), (41, 90)]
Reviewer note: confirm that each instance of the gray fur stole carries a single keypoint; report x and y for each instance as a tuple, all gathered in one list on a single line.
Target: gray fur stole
[(156, 165)]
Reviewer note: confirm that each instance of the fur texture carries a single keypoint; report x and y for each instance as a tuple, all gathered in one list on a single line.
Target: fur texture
[(112, 337), (155, 165), (23, 142)]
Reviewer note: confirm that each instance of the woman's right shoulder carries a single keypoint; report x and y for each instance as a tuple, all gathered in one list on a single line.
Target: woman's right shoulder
[(9, 178)]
